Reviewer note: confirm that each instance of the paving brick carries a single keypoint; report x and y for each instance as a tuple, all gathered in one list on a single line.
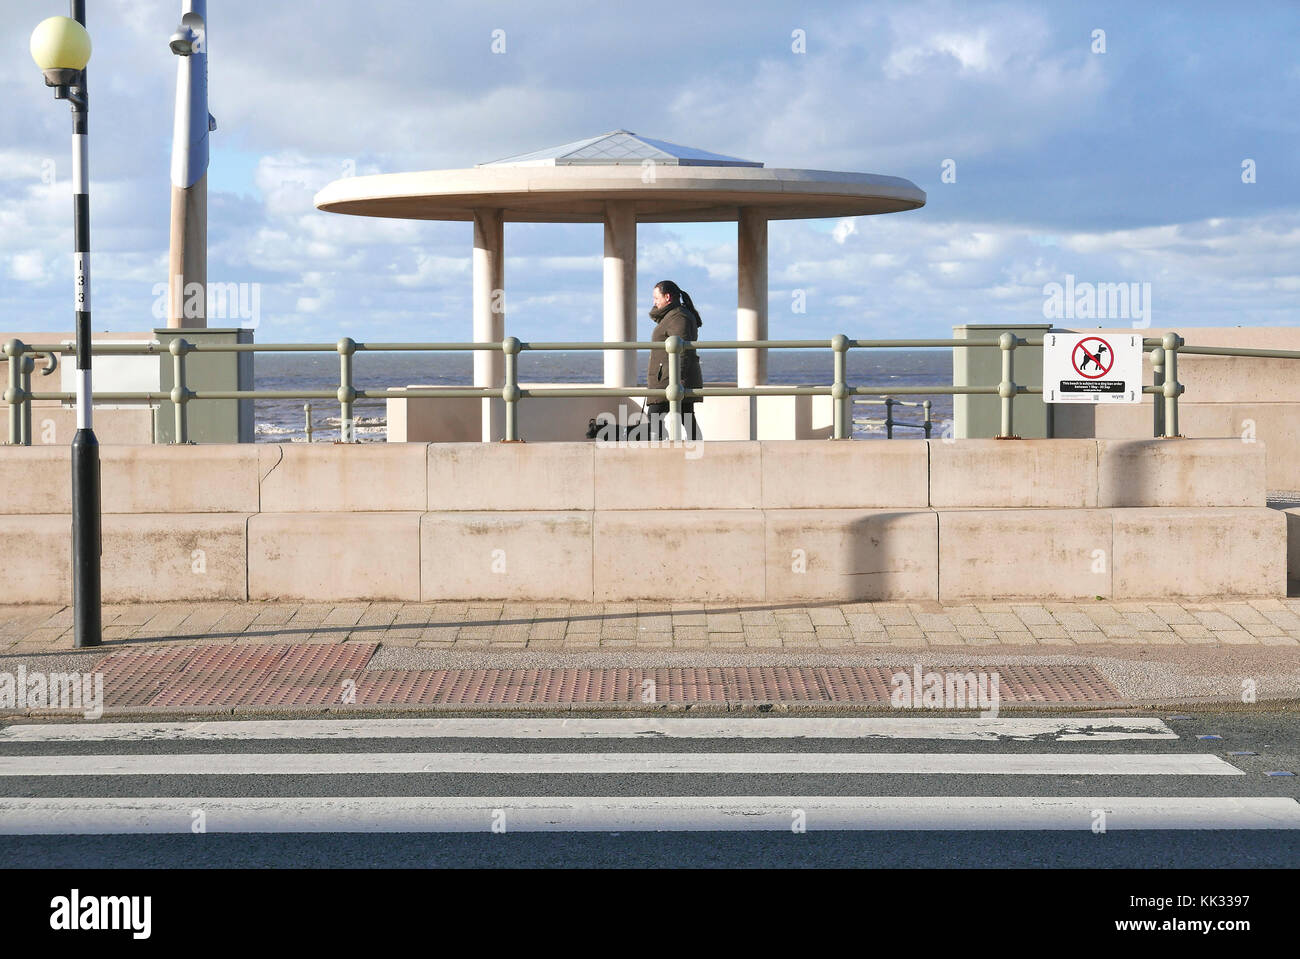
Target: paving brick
[(344, 615), (964, 615), (1215, 620), (1016, 637), (379, 614), (697, 617), (629, 633), (842, 633), (826, 616), (801, 640), (1264, 629), (895, 615), (795, 623), (1160, 637), (865, 622), (274, 614), (549, 629), (1049, 632), (904, 632), (1004, 621), (1034, 615), (1054, 639), (1243, 613), (1284, 618), (1075, 621), (1172, 614), (934, 623)]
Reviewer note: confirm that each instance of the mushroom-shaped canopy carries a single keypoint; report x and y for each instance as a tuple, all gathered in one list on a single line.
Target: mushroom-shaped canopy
[(665, 182)]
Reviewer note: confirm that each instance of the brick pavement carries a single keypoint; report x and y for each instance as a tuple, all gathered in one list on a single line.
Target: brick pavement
[(31, 629)]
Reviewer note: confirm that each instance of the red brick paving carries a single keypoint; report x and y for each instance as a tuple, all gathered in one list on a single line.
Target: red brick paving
[(318, 675)]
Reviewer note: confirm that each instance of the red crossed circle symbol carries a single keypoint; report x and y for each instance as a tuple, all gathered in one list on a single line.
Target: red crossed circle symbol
[(1096, 354)]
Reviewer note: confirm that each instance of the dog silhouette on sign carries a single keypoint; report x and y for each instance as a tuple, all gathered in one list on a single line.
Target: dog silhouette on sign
[(1089, 358)]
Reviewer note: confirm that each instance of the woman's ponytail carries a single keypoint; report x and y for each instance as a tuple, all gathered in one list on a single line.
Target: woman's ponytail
[(686, 298)]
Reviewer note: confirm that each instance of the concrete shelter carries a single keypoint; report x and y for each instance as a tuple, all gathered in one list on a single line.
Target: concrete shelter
[(619, 179)]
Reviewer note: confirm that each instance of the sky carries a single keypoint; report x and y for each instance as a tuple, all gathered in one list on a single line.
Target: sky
[(1153, 143)]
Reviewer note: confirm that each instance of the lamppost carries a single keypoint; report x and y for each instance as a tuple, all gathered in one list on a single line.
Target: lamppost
[(187, 258), (61, 48)]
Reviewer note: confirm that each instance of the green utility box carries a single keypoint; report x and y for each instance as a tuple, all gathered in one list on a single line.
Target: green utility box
[(209, 421), (980, 415)]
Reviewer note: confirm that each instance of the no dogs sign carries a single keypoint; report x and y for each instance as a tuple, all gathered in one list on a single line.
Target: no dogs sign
[(1092, 368)]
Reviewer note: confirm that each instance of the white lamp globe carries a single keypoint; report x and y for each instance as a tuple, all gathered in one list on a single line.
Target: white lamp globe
[(61, 48)]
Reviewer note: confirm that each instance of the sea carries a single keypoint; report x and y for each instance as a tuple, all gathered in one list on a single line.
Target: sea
[(281, 421)]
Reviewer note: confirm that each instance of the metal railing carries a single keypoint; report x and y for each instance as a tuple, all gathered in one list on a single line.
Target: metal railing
[(19, 394), (889, 422)]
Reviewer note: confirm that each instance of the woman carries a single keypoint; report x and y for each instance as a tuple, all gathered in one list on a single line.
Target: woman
[(674, 315)]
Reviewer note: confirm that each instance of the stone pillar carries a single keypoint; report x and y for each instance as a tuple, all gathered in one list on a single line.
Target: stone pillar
[(751, 295), (490, 313), (620, 292)]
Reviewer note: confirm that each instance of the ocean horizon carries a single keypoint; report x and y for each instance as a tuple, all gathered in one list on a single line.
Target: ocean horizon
[(279, 421)]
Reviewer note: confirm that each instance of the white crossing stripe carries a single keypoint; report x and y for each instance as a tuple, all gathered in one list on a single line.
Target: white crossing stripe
[(974, 729), (649, 813), (268, 764)]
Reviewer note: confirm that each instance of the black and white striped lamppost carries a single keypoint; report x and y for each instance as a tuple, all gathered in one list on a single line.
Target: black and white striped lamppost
[(61, 48)]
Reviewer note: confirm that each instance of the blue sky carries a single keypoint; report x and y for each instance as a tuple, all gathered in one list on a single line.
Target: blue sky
[(1122, 166)]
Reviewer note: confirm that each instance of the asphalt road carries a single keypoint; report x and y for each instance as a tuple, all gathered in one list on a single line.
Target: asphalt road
[(31, 769)]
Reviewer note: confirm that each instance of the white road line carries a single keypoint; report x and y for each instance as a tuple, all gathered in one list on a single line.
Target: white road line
[(576, 814), (269, 764), (1064, 729)]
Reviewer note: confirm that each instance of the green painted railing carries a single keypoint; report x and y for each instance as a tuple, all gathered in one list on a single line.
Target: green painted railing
[(19, 394)]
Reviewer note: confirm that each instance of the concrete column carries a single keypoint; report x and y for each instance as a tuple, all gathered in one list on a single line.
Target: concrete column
[(490, 313), (620, 291), (751, 295)]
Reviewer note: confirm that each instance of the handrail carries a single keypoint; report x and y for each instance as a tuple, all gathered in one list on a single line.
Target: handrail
[(19, 395)]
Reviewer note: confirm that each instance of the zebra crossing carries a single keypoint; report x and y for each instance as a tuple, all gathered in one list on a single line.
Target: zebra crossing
[(461, 774)]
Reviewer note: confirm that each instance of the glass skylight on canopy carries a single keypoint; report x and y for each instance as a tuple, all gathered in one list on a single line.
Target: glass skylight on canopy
[(621, 147)]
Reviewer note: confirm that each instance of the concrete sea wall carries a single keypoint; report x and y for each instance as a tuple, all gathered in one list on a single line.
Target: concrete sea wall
[(769, 521)]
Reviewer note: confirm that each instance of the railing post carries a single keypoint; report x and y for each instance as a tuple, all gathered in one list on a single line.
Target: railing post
[(347, 394), (1007, 388), (1172, 341), (927, 423), (180, 394), (840, 389), (673, 346), (889, 417), (510, 391), (13, 395), (25, 367), (1158, 380), (307, 412)]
